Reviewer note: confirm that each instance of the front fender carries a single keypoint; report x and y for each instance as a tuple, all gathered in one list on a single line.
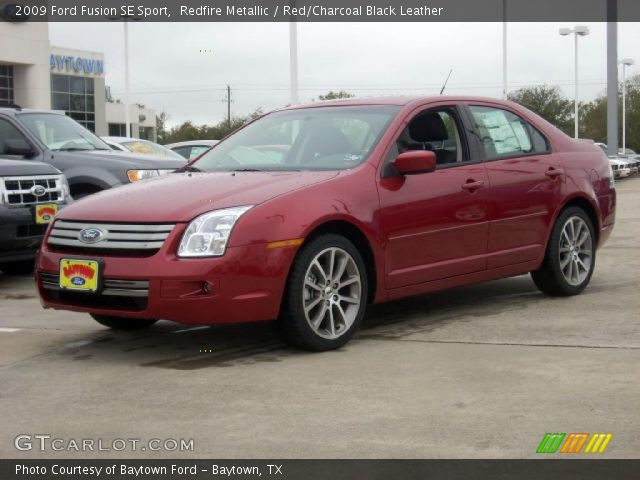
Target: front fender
[(92, 176)]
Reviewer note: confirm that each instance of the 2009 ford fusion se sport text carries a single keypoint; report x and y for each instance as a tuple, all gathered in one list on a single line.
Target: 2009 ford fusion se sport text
[(309, 213)]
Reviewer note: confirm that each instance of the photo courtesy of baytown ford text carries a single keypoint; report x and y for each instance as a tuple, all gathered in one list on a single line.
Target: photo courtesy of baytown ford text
[(319, 239)]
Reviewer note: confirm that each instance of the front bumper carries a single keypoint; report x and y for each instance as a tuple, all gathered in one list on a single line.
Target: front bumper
[(246, 284), (20, 237)]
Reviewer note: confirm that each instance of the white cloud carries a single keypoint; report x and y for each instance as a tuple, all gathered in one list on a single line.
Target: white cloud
[(183, 68)]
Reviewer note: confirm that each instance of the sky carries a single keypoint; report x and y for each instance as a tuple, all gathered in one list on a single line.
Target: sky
[(184, 68)]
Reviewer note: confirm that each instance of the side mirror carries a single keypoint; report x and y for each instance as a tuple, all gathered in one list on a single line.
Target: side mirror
[(415, 161), (17, 146)]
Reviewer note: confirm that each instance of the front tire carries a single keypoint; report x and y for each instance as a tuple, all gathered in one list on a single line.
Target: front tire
[(326, 295), (570, 257), (121, 323)]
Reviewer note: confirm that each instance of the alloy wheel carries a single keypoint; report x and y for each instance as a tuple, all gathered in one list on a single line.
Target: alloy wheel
[(332, 293), (576, 250)]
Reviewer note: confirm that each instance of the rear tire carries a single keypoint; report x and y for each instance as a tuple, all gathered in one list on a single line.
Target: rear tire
[(570, 257), (23, 267), (122, 323), (326, 295)]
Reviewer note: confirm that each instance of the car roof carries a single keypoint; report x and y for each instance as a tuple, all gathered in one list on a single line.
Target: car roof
[(124, 139), (15, 110), (188, 143), (400, 100)]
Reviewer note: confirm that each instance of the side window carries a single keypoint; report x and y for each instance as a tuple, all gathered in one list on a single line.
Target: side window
[(437, 131), (8, 132), (184, 151), (197, 150), (504, 134)]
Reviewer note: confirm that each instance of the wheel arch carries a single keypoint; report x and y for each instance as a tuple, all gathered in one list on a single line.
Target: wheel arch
[(354, 234), (587, 205)]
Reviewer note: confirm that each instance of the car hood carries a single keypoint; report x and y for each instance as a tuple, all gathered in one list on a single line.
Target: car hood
[(179, 197), (14, 168), (138, 159)]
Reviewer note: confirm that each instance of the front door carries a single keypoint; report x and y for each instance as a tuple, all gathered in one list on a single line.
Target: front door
[(436, 224)]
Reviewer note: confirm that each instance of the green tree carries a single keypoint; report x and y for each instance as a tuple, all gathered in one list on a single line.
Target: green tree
[(189, 131), (335, 95), (161, 126), (594, 116), (548, 102)]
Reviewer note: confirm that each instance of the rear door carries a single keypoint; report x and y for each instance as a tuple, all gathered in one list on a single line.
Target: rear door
[(525, 182), (435, 224)]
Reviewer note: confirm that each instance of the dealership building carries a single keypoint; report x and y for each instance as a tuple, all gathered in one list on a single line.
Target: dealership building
[(35, 74)]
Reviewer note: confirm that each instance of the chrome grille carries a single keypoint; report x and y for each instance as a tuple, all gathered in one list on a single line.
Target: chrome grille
[(17, 191), (116, 288), (125, 236)]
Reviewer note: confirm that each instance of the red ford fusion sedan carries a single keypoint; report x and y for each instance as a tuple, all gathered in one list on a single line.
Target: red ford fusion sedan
[(309, 213)]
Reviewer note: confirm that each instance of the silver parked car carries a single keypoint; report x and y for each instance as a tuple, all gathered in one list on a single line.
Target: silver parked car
[(138, 145), (191, 148)]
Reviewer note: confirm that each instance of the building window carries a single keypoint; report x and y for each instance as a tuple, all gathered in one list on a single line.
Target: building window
[(117, 130), (6, 85), (75, 96), (146, 133)]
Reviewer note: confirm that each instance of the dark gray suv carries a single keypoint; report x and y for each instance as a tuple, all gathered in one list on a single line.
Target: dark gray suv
[(31, 193), (87, 162)]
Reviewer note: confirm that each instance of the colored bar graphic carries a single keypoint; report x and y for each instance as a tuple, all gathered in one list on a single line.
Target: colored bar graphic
[(598, 443), (573, 442), (550, 442)]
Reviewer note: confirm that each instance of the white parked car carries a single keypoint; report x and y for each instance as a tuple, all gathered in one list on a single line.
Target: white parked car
[(138, 145), (191, 148), (621, 166)]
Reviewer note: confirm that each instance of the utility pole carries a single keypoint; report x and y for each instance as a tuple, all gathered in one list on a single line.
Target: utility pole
[(228, 100), (505, 87), (612, 77)]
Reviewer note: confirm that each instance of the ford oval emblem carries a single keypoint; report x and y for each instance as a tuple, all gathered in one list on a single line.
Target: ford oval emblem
[(38, 190), (91, 235)]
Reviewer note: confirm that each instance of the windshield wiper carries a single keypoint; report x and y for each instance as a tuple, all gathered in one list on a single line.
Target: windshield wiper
[(187, 168)]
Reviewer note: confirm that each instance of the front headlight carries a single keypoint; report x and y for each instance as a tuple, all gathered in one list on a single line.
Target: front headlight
[(612, 181), (208, 234), (136, 175), (65, 187)]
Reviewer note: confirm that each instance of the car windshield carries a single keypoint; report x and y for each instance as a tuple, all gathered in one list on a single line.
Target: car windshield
[(149, 148), (59, 132), (322, 138)]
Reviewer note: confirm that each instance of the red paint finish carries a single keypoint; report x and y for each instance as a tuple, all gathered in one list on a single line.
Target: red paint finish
[(457, 225)]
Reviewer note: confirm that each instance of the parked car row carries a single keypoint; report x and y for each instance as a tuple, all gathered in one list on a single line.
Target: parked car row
[(310, 213), (48, 159), (623, 164)]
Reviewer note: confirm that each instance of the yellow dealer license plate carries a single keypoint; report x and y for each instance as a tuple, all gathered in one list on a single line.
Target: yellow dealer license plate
[(45, 213), (79, 274)]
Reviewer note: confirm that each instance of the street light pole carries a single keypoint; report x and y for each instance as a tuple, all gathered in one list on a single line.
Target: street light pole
[(578, 31), (627, 62), (504, 50), (127, 113), (293, 62), (576, 106)]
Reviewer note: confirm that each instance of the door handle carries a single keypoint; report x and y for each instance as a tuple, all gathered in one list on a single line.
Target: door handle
[(472, 185), (553, 172)]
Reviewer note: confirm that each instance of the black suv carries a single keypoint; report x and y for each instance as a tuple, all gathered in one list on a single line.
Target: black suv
[(87, 162), (30, 195)]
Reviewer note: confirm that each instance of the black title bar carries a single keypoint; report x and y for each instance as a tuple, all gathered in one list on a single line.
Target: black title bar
[(574, 469), (316, 10)]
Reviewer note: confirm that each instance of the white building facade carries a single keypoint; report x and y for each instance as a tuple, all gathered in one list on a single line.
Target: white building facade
[(35, 74)]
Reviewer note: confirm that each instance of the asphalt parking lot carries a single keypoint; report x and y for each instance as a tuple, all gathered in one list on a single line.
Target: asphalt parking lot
[(477, 372)]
